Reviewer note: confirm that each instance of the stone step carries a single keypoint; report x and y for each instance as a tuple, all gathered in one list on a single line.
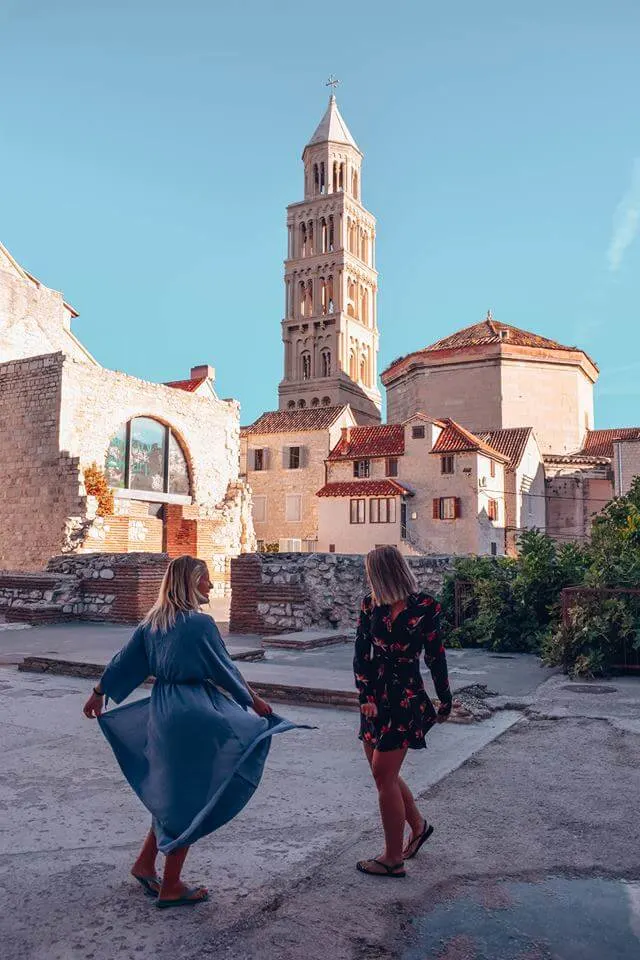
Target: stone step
[(306, 639)]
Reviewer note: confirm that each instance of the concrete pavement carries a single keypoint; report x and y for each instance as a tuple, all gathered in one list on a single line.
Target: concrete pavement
[(71, 827)]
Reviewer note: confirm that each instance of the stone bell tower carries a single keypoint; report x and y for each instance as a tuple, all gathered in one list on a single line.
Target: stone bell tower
[(330, 329)]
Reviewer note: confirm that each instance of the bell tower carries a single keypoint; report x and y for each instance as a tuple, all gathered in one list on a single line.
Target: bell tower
[(330, 329)]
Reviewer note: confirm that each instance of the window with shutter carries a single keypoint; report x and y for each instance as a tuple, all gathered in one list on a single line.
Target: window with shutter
[(358, 511), (392, 467), (259, 459), (293, 458), (361, 469)]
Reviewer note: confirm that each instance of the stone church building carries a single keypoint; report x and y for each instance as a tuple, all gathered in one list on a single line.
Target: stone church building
[(170, 452)]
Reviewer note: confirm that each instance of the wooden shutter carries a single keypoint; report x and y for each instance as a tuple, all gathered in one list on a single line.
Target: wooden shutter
[(285, 458), (457, 510), (436, 508), (304, 458), (251, 459), (265, 458)]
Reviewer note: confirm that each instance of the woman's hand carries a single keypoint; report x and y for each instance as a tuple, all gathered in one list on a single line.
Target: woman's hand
[(261, 707), (94, 705), (369, 710)]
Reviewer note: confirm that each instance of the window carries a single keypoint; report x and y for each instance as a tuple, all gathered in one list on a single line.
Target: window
[(392, 467), (358, 512), (332, 548), (492, 468), (447, 464), (325, 358), (382, 510), (259, 459), (146, 455), (361, 469), (494, 549), (403, 520), (492, 510), (326, 401), (293, 507), (446, 508), (418, 432), (306, 366), (293, 458), (259, 509)]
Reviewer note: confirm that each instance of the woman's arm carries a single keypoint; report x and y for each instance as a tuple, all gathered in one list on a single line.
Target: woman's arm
[(436, 658), (362, 662), (127, 670)]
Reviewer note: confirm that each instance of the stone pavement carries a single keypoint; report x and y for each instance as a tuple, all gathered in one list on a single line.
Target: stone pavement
[(536, 854), (319, 676)]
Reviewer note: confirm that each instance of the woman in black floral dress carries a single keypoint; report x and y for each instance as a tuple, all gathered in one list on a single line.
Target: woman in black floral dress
[(397, 626)]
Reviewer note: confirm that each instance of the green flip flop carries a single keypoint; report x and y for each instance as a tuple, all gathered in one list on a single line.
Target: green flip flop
[(150, 885)]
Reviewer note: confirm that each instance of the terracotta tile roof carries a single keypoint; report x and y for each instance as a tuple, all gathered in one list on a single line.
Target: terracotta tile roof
[(599, 443), (488, 331), (189, 386), (294, 421), (455, 439), (385, 440), (492, 331), (510, 442), (365, 488)]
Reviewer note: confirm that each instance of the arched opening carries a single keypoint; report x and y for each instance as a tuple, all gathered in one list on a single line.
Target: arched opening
[(323, 186), (323, 235), (354, 189), (330, 301), (364, 306), (325, 360), (351, 298), (303, 239), (302, 293), (291, 405), (323, 297), (146, 455), (316, 178), (326, 401), (315, 402), (310, 238), (305, 365), (302, 404), (330, 244), (353, 372)]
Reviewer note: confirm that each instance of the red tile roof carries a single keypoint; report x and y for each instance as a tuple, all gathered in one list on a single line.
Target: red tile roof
[(365, 488), (385, 440), (599, 443), (190, 386), (510, 442), (488, 331), (455, 439), (492, 331), (294, 421)]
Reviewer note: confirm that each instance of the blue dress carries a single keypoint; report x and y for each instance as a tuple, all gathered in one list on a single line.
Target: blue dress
[(191, 751)]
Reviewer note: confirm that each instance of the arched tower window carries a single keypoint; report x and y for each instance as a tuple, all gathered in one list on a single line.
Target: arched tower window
[(354, 189), (315, 402), (364, 306), (326, 401), (303, 239), (146, 455), (302, 404), (325, 359), (323, 235), (291, 405), (302, 292), (305, 365), (330, 301), (330, 243), (353, 371), (323, 297), (310, 238), (316, 178)]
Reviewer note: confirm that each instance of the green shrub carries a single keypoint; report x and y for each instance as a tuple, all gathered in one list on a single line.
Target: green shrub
[(593, 639)]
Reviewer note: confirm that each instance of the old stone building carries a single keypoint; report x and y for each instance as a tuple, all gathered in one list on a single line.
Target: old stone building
[(429, 486), (330, 326), (169, 452), (492, 376), (283, 457)]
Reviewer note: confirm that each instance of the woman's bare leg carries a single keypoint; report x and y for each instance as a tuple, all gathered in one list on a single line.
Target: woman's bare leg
[(412, 815), (386, 770), (172, 886), (145, 865)]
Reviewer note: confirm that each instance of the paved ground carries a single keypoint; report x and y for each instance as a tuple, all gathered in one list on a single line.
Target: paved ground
[(536, 854), (327, 668), (71, 827)]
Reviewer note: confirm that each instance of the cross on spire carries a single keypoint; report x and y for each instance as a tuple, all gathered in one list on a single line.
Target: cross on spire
[(333, 83)]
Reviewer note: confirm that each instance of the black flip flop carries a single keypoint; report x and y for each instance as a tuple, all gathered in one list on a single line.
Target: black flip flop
[(424, 836), (389, 871), (147, 883), (188, 900)]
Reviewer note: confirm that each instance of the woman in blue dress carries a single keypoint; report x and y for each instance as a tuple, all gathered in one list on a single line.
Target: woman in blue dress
[(194, 751)]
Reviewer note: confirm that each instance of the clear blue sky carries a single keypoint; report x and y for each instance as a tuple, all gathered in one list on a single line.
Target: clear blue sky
[(148, 150)]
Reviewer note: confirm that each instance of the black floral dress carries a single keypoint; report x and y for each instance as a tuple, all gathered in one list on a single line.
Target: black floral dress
[(387, 671)]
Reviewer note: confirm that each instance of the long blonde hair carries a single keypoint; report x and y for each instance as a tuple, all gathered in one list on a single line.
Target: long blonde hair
[(389, 575), (178, 593)]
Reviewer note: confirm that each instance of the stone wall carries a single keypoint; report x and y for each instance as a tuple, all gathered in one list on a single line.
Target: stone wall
[(274, 593), (117, 588), (39, 482), (626, 465)]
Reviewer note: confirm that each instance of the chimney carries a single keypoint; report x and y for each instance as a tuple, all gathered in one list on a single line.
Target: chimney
[(203, 371), (346, 434)]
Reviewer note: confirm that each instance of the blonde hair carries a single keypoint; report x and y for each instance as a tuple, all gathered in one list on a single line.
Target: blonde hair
[(178, 593), (390, 578)]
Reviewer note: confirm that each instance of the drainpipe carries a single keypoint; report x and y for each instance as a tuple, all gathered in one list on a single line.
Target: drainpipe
[(619, 459)]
